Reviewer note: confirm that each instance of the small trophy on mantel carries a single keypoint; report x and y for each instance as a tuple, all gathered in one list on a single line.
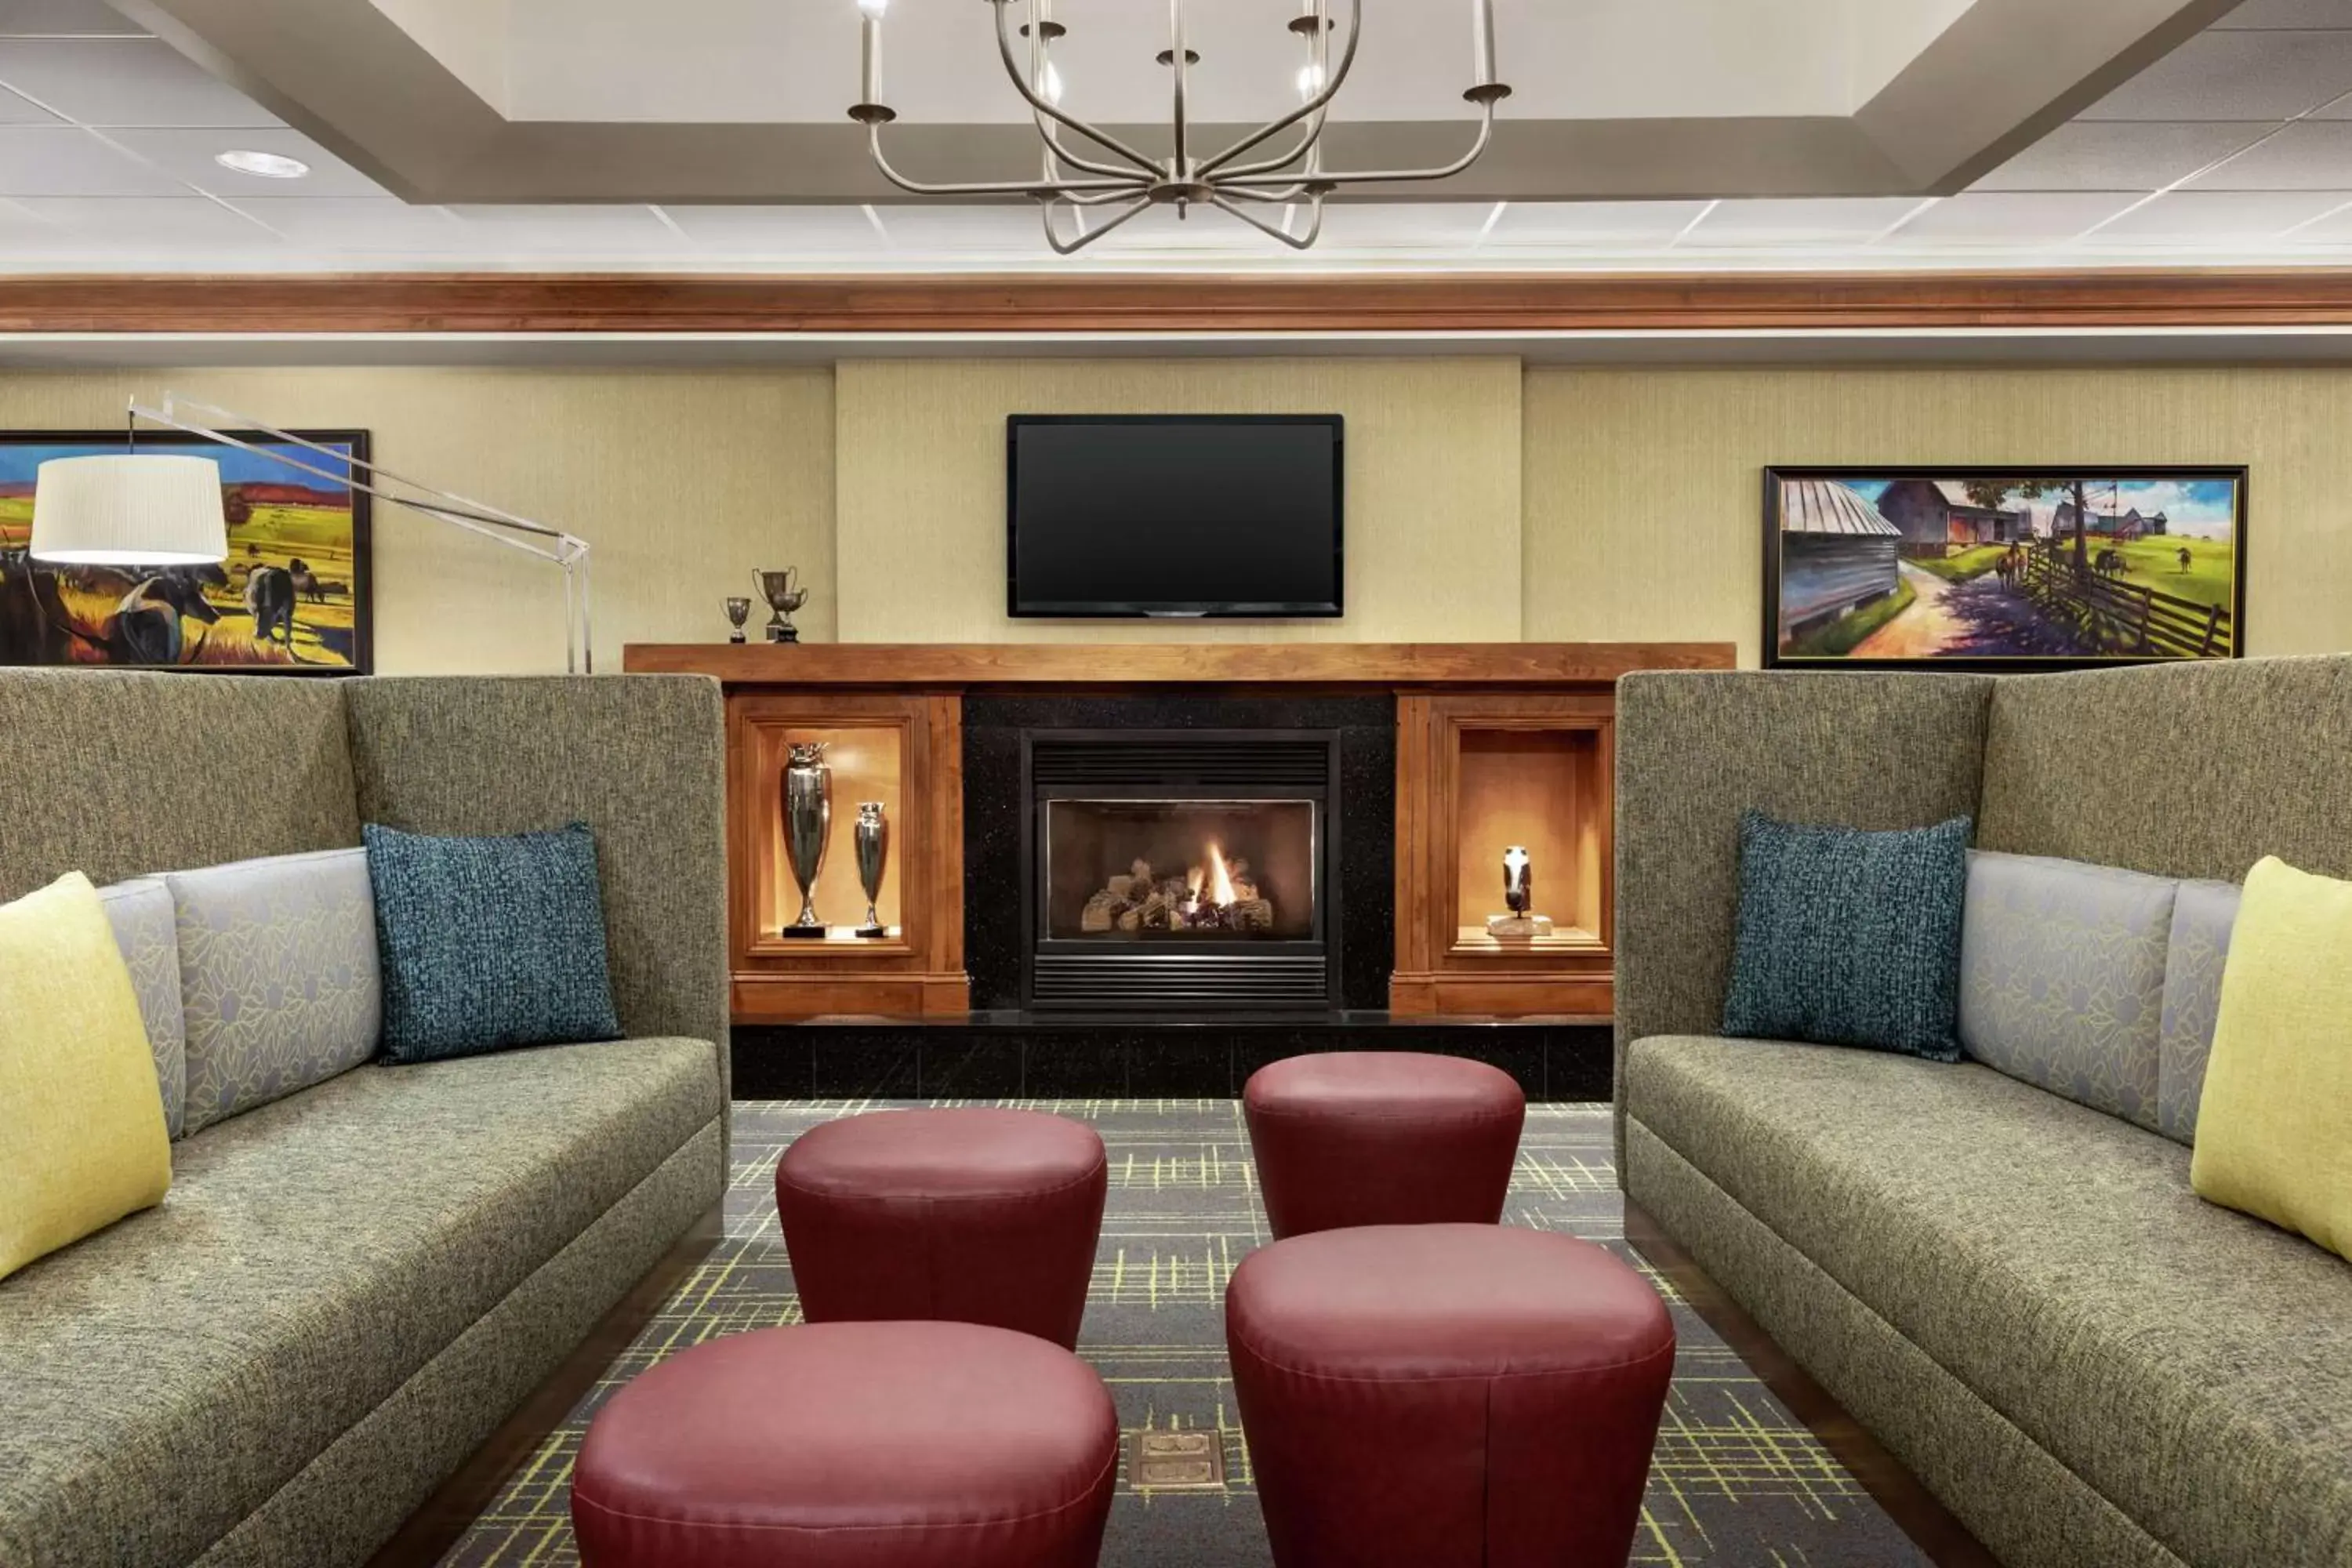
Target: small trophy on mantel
[(784, 595), (1519, 897)]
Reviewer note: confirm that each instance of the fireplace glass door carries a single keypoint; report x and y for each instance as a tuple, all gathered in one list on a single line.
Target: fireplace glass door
[(1181, 871)]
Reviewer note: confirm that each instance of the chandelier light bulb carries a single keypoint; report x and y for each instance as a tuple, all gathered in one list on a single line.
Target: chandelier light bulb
[(1049, 85), (1310, 80), (872, 9)]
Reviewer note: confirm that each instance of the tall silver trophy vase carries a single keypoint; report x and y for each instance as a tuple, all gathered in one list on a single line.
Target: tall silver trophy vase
[(873, 853), (808, 823)]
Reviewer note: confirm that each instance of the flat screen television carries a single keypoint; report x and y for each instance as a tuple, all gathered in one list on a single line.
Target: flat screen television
[(1174, 515)]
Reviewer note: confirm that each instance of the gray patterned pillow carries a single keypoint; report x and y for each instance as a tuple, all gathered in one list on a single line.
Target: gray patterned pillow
[(141, 912), (279, 978), (2061, 977), (2203, 914)]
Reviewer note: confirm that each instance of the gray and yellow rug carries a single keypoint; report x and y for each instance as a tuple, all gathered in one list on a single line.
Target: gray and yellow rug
[(1737, 1483)]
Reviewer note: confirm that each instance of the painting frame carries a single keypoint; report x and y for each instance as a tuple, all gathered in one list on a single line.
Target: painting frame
[(357, 443), (2052, 478)]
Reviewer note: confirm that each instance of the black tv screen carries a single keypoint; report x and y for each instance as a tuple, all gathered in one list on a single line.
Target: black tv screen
[(1182, 515)]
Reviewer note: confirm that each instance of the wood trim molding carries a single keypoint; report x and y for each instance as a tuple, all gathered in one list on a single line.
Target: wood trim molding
[(1061, 302), (935, 666)]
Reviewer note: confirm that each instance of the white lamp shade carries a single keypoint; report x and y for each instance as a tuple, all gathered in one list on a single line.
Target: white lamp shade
[(129, 509)]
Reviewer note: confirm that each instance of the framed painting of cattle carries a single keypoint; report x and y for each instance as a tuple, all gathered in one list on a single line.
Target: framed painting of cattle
[(2002, 569), (292, 598)]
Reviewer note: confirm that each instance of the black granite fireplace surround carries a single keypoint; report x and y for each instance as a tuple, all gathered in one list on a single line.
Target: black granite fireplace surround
[(1000, 800)]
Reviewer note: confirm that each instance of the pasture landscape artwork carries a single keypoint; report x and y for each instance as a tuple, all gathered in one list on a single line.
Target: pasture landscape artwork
[(290, 599), (2003, 568)]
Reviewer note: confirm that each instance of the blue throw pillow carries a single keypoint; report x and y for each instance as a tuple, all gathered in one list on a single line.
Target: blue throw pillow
[(488, 942), (1849, 938)]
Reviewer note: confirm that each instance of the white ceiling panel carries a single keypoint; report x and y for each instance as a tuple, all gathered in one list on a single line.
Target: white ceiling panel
[(777, 231), (1606, 225), (62, 19), (960, 230), (2123, 156), (1450, 225), (2333, 229), (190, 156), (2010, 217), (2307, 155), (2220, 217), (1806, 222), (18, 110), (63, 162), (123, 81), (2261, 75), (338, 225), (587, 231), (153, 224)]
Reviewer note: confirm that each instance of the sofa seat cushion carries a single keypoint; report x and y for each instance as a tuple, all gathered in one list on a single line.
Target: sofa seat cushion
[(2192, 1365), (166, 1377)]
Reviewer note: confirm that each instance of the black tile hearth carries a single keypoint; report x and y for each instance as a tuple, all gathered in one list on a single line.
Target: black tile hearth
[(1015, 1056)]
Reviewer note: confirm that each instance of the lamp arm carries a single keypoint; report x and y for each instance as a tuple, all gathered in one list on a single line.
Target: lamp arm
[(1007, 188), (1042, 105), (1398, 176), (1314, 105)]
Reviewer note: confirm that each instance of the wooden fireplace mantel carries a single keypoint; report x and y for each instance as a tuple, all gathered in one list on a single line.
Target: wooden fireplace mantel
[(1497, 742), (955, 665)]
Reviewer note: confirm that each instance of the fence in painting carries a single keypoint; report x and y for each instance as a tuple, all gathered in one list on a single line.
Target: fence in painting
[(2124, 617)]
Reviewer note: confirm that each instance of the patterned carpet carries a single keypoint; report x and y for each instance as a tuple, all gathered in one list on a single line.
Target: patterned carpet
[(1737, 1481)]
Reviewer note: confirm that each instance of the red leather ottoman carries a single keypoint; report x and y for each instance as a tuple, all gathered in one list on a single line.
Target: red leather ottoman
[(852, 1446), (1382, 1138), (1447, 1397), (973, 1216)]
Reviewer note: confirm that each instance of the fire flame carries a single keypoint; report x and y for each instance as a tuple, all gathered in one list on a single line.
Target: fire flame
[(1220, 885)]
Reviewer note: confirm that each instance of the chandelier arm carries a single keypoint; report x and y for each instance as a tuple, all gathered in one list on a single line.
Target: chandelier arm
[(1276, 166), (1334, 81), (1084, 238), (1047, 130), (1271, 230), (1282, 197), (1021, 188), (1398, 176), (1042, 105)]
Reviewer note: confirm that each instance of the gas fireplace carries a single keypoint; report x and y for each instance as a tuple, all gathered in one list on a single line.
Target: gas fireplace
[(1181, 872)]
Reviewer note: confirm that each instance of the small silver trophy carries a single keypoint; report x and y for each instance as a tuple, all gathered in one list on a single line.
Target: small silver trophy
[(1519, 897), (808, 823), (873, 838), (784, 595), (738, 612)]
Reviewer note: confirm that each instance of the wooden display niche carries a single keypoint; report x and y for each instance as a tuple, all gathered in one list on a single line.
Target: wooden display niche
[(1497, 745)]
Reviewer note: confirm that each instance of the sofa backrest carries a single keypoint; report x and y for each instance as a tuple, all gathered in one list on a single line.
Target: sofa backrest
[(118, 773), (2179, 770)]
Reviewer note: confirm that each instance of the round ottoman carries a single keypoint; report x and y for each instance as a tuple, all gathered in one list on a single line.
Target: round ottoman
[(1447, 1397), (1382, 1138), (852, 1446), (976, 1216)]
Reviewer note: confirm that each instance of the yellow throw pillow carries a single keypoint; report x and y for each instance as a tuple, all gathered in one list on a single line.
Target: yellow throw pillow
[(2270, 1129), (81, 1119)]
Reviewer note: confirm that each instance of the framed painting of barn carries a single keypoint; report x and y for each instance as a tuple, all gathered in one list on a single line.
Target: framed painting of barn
[(2002, 569), (292, 597)]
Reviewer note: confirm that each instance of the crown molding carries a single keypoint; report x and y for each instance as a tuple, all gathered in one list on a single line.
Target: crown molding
[(1175, 304)]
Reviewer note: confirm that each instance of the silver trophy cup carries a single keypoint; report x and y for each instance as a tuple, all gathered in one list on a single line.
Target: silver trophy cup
[(1518, 881), (873, 837), (808, 823), (784, 595)]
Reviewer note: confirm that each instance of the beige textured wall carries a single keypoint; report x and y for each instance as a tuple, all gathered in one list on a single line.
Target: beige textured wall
[(1642, 486), (683, 482), (1433, 491)]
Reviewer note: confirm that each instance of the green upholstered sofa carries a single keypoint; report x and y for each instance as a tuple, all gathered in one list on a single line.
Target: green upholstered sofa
[(2018, 1296), (350, 1288)]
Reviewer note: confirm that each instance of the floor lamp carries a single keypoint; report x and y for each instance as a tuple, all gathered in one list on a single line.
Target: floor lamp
[(135, 506)]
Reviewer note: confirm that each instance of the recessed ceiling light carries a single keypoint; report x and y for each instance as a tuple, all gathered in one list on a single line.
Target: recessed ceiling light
[(268, 165)]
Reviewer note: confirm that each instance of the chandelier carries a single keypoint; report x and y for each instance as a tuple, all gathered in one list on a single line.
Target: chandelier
[(1085, 195)]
